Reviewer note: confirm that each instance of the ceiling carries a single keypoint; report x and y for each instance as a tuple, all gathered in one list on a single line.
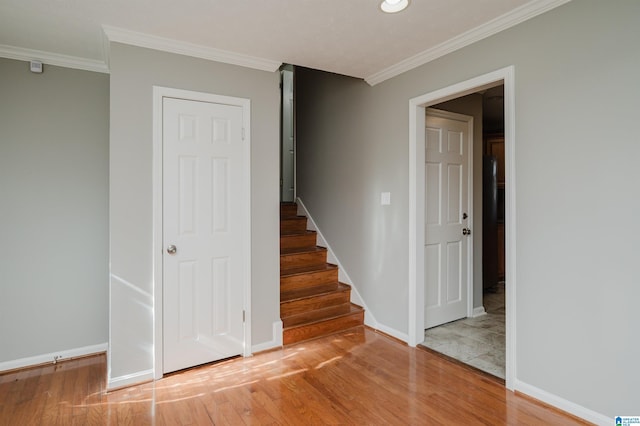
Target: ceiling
[(350, 37)]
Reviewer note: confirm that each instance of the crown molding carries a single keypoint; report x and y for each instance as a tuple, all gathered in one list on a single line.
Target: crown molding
[(501, 23), (120, 35), (49, 58)]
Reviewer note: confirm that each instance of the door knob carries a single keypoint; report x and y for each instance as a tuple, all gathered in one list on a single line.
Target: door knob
[(466, 231), (172, 249)]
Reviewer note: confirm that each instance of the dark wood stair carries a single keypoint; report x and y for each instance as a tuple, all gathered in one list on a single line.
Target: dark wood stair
[(313, 302)]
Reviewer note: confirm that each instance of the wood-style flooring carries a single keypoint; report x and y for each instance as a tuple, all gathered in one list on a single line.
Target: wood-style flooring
[(355, 377)]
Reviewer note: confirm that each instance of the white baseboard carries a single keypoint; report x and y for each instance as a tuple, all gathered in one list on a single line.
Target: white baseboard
[(129, 380), (562, 404), (53, 356), (393, 333), (478, 312), (275, 342)]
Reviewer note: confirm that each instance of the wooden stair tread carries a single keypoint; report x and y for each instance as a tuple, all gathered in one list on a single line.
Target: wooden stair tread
[(293, 225), (320, 315), (287, 232), (307, 232), (313, 303), (310, 276), (302, 239), (289, 216), (304, 293), (307, 269), (288, 208), (292, 217), (301, 250)]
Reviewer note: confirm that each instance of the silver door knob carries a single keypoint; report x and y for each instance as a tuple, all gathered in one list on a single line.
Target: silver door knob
[(466, 231), (172, 249)]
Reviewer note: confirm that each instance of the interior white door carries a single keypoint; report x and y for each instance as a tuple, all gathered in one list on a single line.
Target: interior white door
[(446, 218), (204, 201)]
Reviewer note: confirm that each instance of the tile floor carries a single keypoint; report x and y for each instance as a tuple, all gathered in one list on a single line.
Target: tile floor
[(479, 342)]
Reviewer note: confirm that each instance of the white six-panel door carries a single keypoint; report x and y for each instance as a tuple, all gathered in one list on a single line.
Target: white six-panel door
[(204, 172), (446, 208)]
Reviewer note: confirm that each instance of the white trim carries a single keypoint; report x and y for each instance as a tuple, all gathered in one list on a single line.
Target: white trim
[(563, 404), (510, 223), (343, 276), (49, 58), (246, 136), (158, 342), (501, 23), (129, 286), (53, 356), (416, 209), (158, 94), (470, 142), (129, 380), (121, 35), (417, 120), (393, 332), (275, 342), (106, 50), (478, 312)]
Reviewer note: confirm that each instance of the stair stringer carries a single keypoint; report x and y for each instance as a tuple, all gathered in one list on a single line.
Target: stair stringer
[(343, 276)]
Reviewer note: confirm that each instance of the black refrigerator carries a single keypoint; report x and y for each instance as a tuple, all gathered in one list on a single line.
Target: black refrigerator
[(489, 224)]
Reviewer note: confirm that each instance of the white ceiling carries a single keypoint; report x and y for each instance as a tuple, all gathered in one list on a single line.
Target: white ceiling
[(351, 37)]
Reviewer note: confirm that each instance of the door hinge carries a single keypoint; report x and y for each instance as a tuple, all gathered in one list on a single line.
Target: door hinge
[(244, 316), (243, 133)]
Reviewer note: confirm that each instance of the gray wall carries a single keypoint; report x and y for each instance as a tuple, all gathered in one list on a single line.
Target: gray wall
[(576, 147), (54, 138), (134, 72)]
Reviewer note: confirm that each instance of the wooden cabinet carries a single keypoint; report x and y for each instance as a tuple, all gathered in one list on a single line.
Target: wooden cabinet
[(494, 147)]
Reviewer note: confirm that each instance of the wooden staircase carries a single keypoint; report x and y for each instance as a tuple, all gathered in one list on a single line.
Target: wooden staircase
[(313, 302)]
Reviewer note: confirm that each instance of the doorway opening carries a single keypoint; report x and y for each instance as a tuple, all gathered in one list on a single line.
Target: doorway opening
[(417, 266), (287, 135), (479, 340)]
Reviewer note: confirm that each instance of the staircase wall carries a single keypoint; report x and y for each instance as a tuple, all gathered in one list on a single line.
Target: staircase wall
[(343, 275)]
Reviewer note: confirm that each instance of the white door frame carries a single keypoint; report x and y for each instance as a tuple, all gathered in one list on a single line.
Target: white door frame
[(433, 112), (417, 107), (158, 94)]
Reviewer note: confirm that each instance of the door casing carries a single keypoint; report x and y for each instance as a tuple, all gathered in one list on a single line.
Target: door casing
[(158, 94), (417, 108)]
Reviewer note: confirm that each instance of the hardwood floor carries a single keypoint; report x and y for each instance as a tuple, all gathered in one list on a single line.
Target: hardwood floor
[(353, 377)]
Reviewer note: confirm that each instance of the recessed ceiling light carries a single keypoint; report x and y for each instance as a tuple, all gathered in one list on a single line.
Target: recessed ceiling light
[(393, 6)]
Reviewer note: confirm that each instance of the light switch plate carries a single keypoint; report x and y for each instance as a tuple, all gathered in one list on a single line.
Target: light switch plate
[(35, 66), (385, 198)]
